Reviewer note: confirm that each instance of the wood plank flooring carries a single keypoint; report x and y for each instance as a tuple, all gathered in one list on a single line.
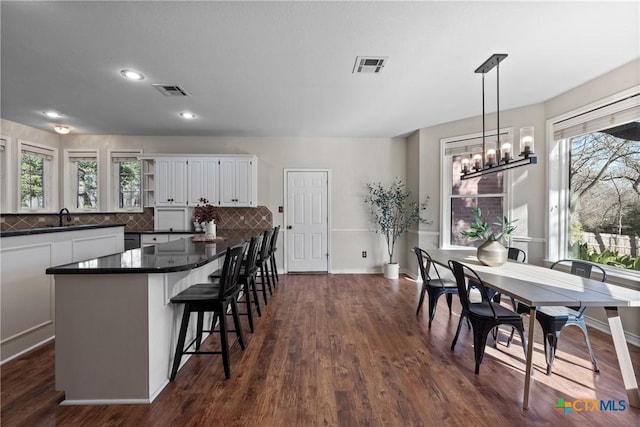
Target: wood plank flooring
[(345, 350)]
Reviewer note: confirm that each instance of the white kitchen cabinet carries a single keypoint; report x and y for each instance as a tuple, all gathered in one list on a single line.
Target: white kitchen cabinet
[(171, 219), (27, 313), (152, 239), (239, 181), (171, 181), (203, 181)]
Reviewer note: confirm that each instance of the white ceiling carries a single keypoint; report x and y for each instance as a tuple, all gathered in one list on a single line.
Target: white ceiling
[(285, 68)]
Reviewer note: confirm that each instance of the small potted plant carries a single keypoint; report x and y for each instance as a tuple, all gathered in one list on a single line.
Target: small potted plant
[(393, 214), (206, 214), (491, 253)]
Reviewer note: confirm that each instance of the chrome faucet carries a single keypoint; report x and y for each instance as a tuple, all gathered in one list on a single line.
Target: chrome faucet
[(62, 211)]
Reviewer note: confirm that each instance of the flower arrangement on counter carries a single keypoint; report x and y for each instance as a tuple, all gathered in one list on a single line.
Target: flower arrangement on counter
[(205, 212)]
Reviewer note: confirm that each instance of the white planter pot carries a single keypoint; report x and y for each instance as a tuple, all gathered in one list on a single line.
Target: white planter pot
[(491, 253), (210, 229), (391, 271)]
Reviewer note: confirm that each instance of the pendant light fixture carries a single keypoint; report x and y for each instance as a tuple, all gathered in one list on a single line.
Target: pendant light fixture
[(497, 155)]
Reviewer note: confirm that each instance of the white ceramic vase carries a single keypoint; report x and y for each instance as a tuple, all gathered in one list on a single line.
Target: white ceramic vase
[(210, 229), (492, 253), (391, 271)]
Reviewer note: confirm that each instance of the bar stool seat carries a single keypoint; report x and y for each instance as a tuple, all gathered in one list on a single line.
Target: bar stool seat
[(215, 298)]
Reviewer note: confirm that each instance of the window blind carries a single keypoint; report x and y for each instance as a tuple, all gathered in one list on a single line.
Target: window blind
[(34, 150), (82, 156), (125, 156), (614, 114)]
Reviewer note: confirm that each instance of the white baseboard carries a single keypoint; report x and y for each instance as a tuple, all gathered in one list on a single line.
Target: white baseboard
[(27, 350), (70, 402), (604, 327)]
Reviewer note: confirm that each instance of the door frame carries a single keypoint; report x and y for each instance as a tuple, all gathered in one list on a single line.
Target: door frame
[(286, 213)]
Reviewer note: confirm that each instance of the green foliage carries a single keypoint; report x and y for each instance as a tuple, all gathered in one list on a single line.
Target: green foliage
[(392, 212), (480, 229), (87, 183), (32, 181), (580, 250), (130, 184)]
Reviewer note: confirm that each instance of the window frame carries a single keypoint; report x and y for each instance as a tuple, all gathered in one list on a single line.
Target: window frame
[(113, 180), (446, 182), (557, 171), (6, 184), (50, 177), (70, 180)]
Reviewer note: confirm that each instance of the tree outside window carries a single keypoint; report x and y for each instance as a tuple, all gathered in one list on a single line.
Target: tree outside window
[(129, 195), (87, 196), (604, 184), (32, 181)]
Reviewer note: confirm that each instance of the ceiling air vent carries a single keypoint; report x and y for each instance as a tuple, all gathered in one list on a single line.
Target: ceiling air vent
[(170, 90), (370, 64)]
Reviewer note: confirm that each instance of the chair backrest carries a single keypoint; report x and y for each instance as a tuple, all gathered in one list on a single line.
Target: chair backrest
[(582, 268), (461, 272), (274, 240), (231, 270), (266, 243), (425, 262), (251, 259), (516, 254)]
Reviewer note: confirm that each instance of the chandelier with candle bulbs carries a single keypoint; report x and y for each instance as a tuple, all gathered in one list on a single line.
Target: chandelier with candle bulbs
[(497, 155)]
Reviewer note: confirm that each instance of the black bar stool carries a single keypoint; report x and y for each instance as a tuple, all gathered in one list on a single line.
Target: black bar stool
[(263, 263), (207, 297)]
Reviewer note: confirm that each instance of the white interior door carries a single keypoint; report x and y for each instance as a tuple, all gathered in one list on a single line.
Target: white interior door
[(307, 226)]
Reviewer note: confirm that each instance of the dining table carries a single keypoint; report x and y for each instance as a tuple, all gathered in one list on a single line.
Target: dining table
[(538, 286)]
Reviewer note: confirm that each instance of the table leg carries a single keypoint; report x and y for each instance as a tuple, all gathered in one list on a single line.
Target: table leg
[(528, 371), (624, 359)]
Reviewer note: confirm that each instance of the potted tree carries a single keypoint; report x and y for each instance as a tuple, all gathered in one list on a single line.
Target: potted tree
[(491, 253), (393, 214)]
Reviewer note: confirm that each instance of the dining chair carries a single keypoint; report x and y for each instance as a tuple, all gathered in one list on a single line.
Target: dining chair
[(485, 315), (207, 297), (516, 254), (554, 319), (433, 286)]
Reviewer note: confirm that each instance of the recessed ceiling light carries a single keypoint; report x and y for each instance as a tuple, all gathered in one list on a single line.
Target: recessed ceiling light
[(187, 115), (62, 129), (132, 75), (53, 114)]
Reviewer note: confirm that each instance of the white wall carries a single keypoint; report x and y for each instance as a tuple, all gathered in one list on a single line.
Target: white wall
[(353, 162)]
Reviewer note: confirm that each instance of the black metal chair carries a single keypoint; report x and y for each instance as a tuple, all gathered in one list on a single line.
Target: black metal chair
[(434, 287), (484, 316), (554, 319), (516, 254), (206, 297)]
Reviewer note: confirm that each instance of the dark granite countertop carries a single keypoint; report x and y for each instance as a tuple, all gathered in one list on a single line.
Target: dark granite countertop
[(64, 228), (178, 255)]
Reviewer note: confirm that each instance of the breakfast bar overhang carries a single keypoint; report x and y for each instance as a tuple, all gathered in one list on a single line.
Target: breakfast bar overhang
[(115, 329)]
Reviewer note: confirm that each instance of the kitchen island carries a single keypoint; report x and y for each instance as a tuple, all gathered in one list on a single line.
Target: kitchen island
[(116, 330)]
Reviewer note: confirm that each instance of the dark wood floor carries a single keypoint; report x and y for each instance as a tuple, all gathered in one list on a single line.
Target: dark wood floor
[(345, 350)]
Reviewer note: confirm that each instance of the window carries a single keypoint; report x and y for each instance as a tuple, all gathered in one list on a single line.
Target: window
[(597, 191), (126, 180), (82, 179), (459, 197), (5, 174), (36, 177)]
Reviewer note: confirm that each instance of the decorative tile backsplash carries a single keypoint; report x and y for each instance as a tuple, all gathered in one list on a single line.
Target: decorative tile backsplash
[(230, 218)]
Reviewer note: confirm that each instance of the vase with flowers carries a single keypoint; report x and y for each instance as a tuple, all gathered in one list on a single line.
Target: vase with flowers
[(491, 253), (207, 215)]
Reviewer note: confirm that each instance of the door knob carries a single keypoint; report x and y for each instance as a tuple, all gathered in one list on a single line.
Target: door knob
[(289, 227)]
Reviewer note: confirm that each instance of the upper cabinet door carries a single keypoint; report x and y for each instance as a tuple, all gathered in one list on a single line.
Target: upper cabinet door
[(203, 180), (238, 181), (227, 181), (171, 181)]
